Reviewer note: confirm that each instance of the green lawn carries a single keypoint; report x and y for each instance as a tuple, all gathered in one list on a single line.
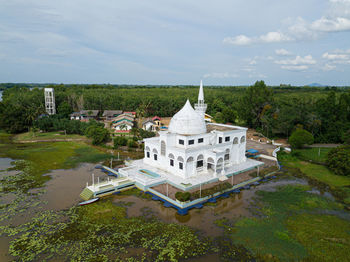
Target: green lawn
[(315, 171), (28, 136), (313, 154)]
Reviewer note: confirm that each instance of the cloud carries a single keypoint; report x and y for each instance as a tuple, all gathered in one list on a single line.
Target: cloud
[(270, 37), (331, 24), (340, 1), (328, 67), (337, 57), (295, 67), (238, 40), (282, 52), (298, 60), (274, 37), (337, 20), (253, 62), (220, 75)]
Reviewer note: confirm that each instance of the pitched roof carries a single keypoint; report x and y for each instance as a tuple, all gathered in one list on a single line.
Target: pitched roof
[(148, 120), (124, 122), (156, 117), (89, 112), (112, 112)]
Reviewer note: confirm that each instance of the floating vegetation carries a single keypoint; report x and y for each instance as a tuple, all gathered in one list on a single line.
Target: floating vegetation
[(101, 232), (276, 235)]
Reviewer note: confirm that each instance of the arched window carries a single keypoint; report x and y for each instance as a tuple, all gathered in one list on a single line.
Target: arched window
[(155, 154), (190, 159), (227, 154), (242, 139), (200, 161), (235, 140), (181, 162), (162, 148), (171, 159), (148, 153)]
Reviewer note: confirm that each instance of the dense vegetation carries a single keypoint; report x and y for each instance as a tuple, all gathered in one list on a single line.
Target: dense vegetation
[(338, 160), (275, 111)]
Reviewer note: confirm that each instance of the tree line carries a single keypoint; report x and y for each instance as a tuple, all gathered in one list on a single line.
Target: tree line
[(274, 111)]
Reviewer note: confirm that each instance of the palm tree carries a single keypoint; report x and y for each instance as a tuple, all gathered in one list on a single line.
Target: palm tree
[(123, 127)]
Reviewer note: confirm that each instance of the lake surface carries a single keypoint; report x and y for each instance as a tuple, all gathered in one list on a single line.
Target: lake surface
[(0, 95), (62, 192)]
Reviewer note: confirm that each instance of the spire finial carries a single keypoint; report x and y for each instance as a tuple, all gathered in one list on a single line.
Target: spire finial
[(201, 93)]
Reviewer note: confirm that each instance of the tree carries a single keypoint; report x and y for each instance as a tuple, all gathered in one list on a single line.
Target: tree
[(300, 137), (120, 141), (98, 134), (338, 160), (254, 102), (64, 109)]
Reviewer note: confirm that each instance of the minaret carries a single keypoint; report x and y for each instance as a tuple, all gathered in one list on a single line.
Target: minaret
[(201, 107)]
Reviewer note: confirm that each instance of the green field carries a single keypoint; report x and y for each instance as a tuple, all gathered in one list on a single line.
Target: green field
[(319, 172), (29, 136), (315, 154)]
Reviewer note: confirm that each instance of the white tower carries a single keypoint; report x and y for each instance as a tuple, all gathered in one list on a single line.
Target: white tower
[(50, 101), (201, 107)]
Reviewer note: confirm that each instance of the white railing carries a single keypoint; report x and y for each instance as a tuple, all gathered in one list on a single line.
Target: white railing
[(274, 153)]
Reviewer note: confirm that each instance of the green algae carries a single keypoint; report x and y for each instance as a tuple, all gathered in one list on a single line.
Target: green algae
[(274, 235), (100, 232)]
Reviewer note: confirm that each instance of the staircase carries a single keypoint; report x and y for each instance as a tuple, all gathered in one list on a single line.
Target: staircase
[(86, 194)]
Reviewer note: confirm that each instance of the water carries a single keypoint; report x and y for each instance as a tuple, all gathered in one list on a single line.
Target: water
[(1, 95), (63, 190)]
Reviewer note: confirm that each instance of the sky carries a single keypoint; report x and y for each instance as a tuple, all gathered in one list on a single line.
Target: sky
[(175, 42)]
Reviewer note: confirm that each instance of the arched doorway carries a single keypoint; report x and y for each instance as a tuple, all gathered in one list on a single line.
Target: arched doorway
[(210, 164), (219, 165), (189, 166)]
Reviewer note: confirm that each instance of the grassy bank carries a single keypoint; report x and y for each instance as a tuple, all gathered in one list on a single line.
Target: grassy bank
[(36, 136), (314, 154)]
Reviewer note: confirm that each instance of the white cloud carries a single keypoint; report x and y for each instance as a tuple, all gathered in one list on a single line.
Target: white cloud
[(295, 67), (253, 62), (238, 40), (335, 56), (331, 24), (282, 52), (328, 67), (340, 1), (257, 76), (298, 60), (220, 75), (274, 37)]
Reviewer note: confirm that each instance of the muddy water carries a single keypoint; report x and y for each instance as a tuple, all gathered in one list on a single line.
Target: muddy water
[(63, 190)]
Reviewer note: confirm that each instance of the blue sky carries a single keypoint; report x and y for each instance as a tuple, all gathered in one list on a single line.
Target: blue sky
[(224, 42)]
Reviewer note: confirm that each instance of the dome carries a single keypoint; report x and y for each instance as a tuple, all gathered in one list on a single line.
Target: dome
[(187, 122)]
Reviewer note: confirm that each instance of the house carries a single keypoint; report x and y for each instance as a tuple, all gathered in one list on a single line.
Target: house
[(123, 126), (108, 115), (84, 115), (130, 113), (208, 118), (149, 125), (192, 152), (157, 120), (123, 122)]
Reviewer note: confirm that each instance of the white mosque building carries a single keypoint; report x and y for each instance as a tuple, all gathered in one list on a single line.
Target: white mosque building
[(192, 151)]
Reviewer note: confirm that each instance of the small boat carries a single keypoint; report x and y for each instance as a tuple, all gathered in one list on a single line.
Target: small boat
[(88, 201)]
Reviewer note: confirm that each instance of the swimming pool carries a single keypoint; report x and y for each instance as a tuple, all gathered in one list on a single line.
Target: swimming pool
[(148, 173)]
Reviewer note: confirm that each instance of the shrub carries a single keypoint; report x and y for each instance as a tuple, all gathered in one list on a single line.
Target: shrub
[(338, 160), (131, 143), (120, 141), (183, 196), (300, 137)]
